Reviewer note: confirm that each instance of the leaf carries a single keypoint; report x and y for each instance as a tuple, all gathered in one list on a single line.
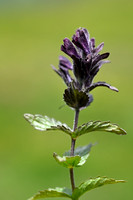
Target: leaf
[(76, 99), (80, 156), (67, 161), (98, 126), (80, 151), (79, 191), (57, 192), (92, 184), (44, 123)]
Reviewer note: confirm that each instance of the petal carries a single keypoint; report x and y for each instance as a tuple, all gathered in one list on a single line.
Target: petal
[(99, 48), (81, 40), (56, 70), (64, 74), (86, 34), (69, 49), (92, 42), (100, 57), (96, 68), (63, 61), (99, 64), (94, 85)]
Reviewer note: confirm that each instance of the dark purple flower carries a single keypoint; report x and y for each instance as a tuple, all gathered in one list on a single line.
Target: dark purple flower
[(81, 40), (86, 63), (64, 63), (64, 66), (69, 49)]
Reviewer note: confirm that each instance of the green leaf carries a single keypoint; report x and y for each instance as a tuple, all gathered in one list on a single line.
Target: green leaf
[(44, 123), (57, 192), (80, 156), (68, 161), (98, 126), (92, 184), (79, 191), (80, 151)]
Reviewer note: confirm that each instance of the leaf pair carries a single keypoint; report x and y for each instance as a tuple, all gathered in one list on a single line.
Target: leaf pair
[(80, 156), (44, 123), (86, 186)]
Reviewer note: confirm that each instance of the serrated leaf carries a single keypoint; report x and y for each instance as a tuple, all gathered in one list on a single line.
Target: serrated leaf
[(92, 184), (98, 126), (80, 151), (44, 123), (57, 192), (76, 99), (80, 156), (67, 161)]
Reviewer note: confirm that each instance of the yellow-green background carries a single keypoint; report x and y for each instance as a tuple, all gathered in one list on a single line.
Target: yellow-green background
[(31, 33)]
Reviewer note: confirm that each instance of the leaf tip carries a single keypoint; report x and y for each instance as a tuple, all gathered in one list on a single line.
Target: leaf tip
[(27, 116), (54, 154), (121, 181), (31, 198), (124, 132)]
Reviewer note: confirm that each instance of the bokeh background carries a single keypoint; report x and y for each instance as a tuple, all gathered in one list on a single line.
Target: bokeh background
[(31, 33)]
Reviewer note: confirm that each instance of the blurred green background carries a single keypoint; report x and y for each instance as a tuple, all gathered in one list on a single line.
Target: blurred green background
[(31, 33)]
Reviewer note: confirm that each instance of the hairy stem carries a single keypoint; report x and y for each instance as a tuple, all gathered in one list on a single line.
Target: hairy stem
[(75, 124), (73, 147)]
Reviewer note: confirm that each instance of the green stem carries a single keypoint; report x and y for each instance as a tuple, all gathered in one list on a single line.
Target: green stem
[(73, 147)]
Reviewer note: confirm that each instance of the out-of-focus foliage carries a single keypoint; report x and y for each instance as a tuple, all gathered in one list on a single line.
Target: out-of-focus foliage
[(31, 34), (78, 191)]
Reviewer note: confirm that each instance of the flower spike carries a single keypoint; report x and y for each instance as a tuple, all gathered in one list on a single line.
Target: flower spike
[(86, 62)]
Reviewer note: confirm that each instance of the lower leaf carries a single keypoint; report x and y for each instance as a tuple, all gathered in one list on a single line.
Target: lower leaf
[(86, 186), (57, 192), (92, 184)]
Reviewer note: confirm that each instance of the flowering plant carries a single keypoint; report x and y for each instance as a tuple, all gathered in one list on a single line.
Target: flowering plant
[(86, 62)]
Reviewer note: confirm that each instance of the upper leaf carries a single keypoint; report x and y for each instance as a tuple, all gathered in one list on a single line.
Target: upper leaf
[(57, 192), (98, 126), (92, 184), (44, 123)]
